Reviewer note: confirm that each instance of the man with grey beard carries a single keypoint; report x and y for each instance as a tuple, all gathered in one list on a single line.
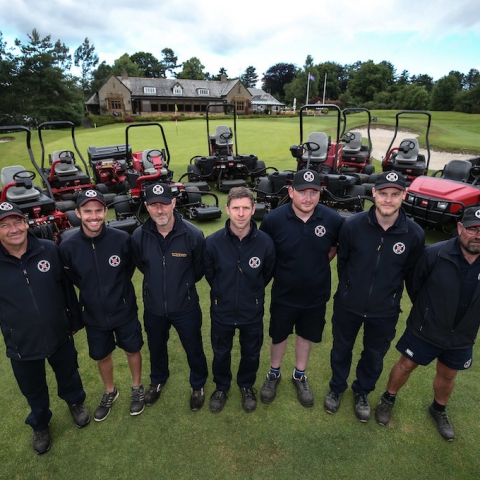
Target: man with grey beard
[(444, 320), (377, 251)]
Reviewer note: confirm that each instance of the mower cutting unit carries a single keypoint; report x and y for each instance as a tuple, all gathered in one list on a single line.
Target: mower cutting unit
[(406, 158), (318, 152), (153, 166), (438, 201), (44, 216), (223, 164)]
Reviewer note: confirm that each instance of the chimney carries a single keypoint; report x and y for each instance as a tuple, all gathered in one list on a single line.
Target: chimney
[(223, 78), (124, 74)]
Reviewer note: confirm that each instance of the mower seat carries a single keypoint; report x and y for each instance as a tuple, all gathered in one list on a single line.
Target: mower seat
[(67, 167), (148, 165), (222, 142), (408, 151), (352, 142), (320, 155), (458, 170), (18, 194)]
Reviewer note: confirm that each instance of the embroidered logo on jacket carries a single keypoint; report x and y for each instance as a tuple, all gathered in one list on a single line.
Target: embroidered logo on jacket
[(114, 261), (254, 262), (43, 266), (399, 248), (320, 231)]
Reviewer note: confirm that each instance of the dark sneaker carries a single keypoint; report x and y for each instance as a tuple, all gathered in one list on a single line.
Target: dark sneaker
[(332, 402), (102, 411), (197, 399), (269, 389), (362, 408), (137, 404), (80, 414), (249, 401), (153, 393), (41, 441), (304, 393), (217, 401), (444, 426), (383, 412)]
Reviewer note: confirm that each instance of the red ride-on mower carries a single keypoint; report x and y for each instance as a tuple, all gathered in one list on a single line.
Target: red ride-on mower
[(45, 218), (438, 201), (153, 166), (406, 158), (67, 172), (223, 164), (356, 157)]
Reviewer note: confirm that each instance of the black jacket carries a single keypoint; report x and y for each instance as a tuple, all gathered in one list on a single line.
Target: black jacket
[(373, 263), (238, 272), (38, 306), (170, 267), (102, 268), (436, 292)]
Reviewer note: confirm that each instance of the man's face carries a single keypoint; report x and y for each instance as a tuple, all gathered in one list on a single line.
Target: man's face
[(469, 238), (13, 232), (388, 201), (160, 213), (304, 200), (92, 215), (240, 212)]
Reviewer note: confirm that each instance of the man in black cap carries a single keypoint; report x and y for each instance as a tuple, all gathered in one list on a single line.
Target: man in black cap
[(377, 252), (99, 261), (38, 314), (444, 319), (305, 235), (169, 252)]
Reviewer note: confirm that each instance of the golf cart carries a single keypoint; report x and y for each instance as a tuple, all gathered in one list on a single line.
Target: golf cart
[(151, 166), (438, 201), (318, 152), (406, 158), (223, 164), (46, 218)]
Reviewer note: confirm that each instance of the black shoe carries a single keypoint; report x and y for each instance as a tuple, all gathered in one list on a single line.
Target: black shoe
[(249, 401), (41, 441), (197, 399), (217, 401), (444, 426), (103, 410), (269, 389), (383, 412), (304, 393), (332, 402), (137, 404), (153, 393), (362, 408), (80, 414)]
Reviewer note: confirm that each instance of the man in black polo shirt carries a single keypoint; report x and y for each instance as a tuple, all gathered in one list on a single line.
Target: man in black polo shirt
[(305, 235)]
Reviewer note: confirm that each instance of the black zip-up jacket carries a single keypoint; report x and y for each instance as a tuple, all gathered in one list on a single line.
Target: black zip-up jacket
[(171, 267), (38, 305), (238, 272), (102, 268), (436, 293), (373, 263)]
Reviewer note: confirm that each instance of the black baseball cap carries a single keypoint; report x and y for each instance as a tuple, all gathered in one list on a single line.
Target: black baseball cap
[(471, 217), (306, 179), (8, 209), (159, 193), (390, 180), (88, 195)]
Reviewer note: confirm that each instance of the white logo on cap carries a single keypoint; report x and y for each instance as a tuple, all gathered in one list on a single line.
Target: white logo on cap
[(157, 189), (254, 262), (114, 261), (6, 206), (392, 177), (308, 176), (43, 266), (399, 248), (477, 213), (320, 231), (91, 193)]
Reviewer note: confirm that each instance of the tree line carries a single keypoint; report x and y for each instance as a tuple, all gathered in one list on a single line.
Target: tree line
[(37, 84)]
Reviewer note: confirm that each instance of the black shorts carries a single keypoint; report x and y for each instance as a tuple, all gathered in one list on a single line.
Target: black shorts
[(308, 322), (423, 353), (101, 343)]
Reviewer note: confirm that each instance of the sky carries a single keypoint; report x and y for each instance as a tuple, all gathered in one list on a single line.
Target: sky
[(430, 37)]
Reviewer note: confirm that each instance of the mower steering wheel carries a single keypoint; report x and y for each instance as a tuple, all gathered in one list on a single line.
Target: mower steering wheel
[(31, 175), (226, 136), (153, 153), (311, 146), (348, 137), (406, 146), (66, 153), (475, 172)]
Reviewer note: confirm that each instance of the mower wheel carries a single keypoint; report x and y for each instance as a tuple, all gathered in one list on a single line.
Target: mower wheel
[(73, 219), (194, 173), (102, 188), (121, 206), (194, 196), (369, 169)]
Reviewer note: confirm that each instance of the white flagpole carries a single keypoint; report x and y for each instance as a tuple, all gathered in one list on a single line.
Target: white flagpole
[(308, 88), (324, 88)]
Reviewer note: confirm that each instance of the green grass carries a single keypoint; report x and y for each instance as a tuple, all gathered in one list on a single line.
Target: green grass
[(279, 441)]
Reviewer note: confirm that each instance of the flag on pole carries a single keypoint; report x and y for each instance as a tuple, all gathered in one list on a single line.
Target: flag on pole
[(311, 77)]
